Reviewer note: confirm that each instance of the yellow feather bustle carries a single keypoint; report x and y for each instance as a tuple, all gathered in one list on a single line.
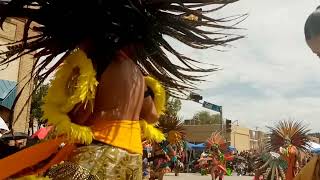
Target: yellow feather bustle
[(148, 130), (159, 94), (58, 102), (174, 137)]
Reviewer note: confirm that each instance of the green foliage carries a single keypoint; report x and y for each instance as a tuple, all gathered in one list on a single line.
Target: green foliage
[(173, 106), (204, 117), (37, 102)]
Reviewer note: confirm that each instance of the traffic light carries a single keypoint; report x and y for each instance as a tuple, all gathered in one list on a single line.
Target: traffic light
[(228, 126), (195, 97)]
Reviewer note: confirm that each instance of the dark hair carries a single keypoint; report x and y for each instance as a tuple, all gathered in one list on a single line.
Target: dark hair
[(61, 25)]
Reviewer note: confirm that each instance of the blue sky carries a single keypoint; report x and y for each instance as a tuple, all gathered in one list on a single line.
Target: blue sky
[(270, 75)]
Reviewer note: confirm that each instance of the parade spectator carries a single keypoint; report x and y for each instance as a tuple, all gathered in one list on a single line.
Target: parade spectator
[(7, 149), (145, 166)]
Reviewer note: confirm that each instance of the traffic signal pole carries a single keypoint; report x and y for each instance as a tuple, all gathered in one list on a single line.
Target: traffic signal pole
[(221, 117), (228, 130), (197, 98)]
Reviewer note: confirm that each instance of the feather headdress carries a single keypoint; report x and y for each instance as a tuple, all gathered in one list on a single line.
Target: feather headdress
[(216, 139), (172, 126), (292, 132)]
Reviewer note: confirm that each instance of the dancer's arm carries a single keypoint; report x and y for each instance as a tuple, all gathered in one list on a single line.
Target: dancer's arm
[(80, 113), (148, 111)]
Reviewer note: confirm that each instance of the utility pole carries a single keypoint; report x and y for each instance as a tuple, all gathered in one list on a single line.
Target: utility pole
[(234, 130), (221, 118)]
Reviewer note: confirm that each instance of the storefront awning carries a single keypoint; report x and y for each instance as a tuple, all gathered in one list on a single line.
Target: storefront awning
[(8, 92)]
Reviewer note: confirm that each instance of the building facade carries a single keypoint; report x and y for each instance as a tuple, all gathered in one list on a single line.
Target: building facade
[(257, 140), (13, 77), (200, 133), (240, 138)]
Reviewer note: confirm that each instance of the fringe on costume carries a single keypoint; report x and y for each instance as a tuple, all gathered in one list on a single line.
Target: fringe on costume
[(149, 132), (159, 94)]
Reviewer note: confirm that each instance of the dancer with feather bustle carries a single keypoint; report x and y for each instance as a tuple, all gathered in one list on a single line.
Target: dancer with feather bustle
[(99, 95), (286, 140), (216, 147)]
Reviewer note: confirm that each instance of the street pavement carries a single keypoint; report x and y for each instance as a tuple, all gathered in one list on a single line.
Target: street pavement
[(194, 176)]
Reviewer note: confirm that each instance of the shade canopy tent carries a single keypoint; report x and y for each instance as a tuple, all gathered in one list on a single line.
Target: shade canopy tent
[(232, 149), (3, 125), (200, 147), (8, 90), (314, 147)]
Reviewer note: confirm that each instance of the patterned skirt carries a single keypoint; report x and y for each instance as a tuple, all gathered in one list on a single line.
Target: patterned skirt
[(99, 161)]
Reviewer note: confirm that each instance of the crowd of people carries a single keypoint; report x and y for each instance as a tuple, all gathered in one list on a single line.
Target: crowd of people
[(284, 157), (159, 161), (161, 158), (10, 147)]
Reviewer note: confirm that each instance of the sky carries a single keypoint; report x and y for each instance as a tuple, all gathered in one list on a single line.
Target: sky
[(270, 75)]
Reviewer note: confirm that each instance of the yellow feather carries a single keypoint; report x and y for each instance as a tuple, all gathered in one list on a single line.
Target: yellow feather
[(149, 132), (58, 103), (174, 137), (159, 94)]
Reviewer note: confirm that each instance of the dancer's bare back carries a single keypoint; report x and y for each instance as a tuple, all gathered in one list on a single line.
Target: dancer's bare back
[(121, 91), (120, 95)]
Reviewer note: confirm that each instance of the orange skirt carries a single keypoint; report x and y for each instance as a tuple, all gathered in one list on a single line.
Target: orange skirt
[(33, 155), (124, 134)]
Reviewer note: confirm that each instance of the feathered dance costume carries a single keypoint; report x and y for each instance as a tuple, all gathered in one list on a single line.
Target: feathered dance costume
[(216, 147), (288, 139), (214, 160), (166, 159), (172, 126), (271, 166), (104, 29)]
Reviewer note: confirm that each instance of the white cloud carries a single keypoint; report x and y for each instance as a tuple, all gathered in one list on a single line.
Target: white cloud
[(271, 74)]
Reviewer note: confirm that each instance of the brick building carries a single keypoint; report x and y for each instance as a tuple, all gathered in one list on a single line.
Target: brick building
[(13, 77)]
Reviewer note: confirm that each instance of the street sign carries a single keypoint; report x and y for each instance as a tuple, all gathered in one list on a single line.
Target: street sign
[(211, 106)]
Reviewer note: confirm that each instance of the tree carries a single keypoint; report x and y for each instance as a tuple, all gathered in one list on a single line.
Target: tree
[(173, 106), (37, 102), (204, 117)]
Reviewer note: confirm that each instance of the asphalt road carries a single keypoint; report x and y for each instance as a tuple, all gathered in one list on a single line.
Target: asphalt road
[(190, 176)]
